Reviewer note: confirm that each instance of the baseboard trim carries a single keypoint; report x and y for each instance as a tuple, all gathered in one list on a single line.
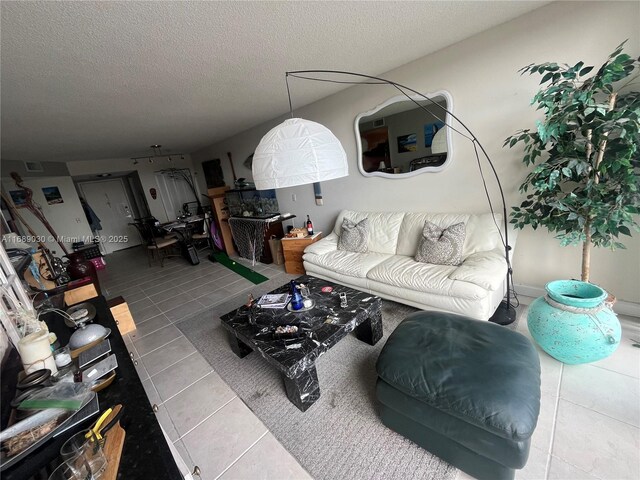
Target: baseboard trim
[(621, 307)]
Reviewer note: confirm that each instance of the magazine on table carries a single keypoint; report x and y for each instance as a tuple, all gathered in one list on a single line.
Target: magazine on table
[(274, 300)]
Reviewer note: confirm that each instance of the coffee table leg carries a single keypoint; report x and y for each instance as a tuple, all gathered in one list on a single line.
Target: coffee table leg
[(304, 390), (370, 331), (240, 348)]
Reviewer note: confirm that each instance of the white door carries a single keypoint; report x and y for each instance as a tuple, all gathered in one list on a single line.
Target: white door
[(110, 203)]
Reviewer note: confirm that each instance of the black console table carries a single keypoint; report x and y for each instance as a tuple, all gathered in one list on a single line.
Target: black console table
[(145, 454)]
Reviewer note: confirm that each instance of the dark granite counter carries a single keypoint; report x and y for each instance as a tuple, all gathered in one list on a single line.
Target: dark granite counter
[(146, 454)]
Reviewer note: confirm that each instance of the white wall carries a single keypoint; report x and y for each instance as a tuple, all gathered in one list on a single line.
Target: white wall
[(491, 97), (67, 219), (146, 171)]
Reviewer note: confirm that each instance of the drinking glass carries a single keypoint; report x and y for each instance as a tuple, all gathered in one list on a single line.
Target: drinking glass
[(343, 300), (62, 356), (307, 301), (79, 448), (73, 469), (304, 291)]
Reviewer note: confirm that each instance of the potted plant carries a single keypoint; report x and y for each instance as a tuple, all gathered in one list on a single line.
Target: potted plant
[(585, 158)]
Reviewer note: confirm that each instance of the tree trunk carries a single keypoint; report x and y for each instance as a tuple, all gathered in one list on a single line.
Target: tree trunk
[(586, 246), (586, 252)]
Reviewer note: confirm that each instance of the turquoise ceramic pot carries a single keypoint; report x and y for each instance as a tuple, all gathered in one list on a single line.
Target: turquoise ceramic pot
[(573, 324)]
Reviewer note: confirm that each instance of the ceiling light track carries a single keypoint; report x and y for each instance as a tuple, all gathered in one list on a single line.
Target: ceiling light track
[(157, 153)]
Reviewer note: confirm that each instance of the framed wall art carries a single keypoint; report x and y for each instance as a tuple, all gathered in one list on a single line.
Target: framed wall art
[(52, 195), (430, 130), (407, 143)]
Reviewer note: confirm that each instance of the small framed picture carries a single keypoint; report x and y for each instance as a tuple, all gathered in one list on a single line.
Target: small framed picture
[(407, 143), (52, 195), (19, 198)]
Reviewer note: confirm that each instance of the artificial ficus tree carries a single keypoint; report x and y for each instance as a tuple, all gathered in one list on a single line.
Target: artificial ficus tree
[(585, 154)]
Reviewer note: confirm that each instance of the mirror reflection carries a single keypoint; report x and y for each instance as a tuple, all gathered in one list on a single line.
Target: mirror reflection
[(398, 138)]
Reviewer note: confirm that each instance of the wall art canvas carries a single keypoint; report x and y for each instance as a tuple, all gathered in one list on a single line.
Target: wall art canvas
[(52, 195), (430, 130), (407, 143), (19, 198)]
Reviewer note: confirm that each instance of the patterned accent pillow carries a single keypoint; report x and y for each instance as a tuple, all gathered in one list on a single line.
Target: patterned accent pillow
[(354, 236), (441, 246)]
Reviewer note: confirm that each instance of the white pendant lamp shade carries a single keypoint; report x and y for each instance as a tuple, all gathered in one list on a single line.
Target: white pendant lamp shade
[(298, 152), (439, 142)]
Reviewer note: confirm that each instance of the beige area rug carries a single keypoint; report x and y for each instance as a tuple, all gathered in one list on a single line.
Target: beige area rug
[(341, 435)]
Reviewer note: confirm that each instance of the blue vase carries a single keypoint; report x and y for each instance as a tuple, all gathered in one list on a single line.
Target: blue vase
[(297, 302), (573, 324)]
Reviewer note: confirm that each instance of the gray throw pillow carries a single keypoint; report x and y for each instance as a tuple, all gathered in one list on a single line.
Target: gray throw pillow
[(441, 246), (354, 236)]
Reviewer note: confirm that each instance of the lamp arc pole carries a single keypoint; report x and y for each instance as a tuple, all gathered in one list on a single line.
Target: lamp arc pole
[(507, 314)]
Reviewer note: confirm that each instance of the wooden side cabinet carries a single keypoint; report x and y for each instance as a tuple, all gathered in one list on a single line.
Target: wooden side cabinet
[(221, 216), (121, 314), (293, 248)]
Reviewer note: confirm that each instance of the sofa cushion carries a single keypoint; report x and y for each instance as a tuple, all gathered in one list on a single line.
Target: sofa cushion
[(485, 269), (481, 232), (350, 263), (480, 308), (405, 272), (354, 237), (482, 373), (383, 229), (441, 246), (324, 245)]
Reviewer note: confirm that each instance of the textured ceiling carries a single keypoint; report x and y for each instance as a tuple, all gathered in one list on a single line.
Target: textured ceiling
[(89, 80)]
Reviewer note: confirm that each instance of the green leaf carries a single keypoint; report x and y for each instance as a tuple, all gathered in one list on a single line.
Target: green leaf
[(546, 78), (585, 70), (624, 230), (622, 58)]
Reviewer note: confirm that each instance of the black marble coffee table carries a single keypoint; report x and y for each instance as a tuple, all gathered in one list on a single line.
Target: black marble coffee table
[(319, 329)]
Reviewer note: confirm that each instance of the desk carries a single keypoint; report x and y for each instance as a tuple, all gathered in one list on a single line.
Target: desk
[(146, 454)]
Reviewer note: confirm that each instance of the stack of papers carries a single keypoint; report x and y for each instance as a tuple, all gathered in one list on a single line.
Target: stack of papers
[(274, 300)]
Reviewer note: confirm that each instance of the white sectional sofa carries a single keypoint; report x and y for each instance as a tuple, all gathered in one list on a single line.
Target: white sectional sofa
[(475, 288)]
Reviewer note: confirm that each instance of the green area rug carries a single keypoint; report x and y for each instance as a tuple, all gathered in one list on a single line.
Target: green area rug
[(240, 269)]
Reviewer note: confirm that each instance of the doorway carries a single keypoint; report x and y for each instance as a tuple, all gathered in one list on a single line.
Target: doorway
[(111, 203), (178, 192)]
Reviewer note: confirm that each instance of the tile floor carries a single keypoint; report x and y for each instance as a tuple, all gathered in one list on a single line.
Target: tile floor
[(589, 424), (194, 404)]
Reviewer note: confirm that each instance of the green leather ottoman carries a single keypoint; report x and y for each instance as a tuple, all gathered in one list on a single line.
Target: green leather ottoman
[(466, 390)]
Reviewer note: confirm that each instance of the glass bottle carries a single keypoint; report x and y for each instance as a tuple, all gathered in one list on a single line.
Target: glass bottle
[(309, 226), (297, 302)]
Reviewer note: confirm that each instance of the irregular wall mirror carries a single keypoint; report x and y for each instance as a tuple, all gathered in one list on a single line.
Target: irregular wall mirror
[(398, 139)]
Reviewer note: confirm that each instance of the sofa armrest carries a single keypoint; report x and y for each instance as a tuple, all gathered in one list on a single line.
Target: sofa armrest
[(485, 269), (324, 245)]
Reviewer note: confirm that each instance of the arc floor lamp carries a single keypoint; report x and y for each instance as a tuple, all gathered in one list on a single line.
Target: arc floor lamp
[(298, 152)]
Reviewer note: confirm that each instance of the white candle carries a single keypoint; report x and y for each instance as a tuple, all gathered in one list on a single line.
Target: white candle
[(35, 352)]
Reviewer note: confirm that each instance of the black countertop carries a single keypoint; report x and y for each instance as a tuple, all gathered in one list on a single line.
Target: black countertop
[(145, 454)]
